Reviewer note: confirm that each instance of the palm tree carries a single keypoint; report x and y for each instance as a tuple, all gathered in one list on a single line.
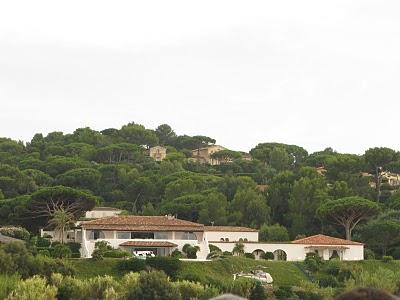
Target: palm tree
[(61, 220), (238, 249)]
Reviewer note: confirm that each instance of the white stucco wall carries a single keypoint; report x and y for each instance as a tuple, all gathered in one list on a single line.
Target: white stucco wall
[(110, 236), (232, 236), (96, 214), (294, 252), (355, 252)]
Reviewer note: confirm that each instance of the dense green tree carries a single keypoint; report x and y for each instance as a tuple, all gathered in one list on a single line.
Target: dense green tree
[(86, 178), (47, 201), (250, 208), (394, 201), (202, 141), (381, 234), (231, 184), (340, 189), (60, 164), (276, 233), (213, 209), (149, 210), (12, 147), (226, 156), (179, 188), (13, 182), (348, 212), (185, 207), (263, 152), (279, 159), (138, 134), (165, 134), (82, 150), (377, 160), (168, 167), (88, 136), (278, 195), (307, 195)]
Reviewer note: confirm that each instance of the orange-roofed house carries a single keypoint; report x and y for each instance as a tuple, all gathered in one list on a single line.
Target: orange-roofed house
[(325, 246), (161, 235)]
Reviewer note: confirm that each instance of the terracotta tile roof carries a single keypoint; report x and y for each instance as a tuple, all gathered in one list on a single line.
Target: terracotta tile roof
[(321, 239), (148, 244), (229, 229), (142, 223)]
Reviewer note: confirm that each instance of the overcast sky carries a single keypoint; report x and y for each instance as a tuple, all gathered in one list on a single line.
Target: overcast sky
[(311, 73)]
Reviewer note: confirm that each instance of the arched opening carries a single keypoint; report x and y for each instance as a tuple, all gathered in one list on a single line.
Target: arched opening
[(226, 240), (280, 255), (258, 253), (335, 254)]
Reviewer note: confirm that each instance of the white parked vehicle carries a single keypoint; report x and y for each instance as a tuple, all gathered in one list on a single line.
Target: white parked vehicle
[(143, 254)]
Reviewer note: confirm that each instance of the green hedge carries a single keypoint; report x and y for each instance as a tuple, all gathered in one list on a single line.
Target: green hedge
[(132, 265), (169, 265), (116, 254)]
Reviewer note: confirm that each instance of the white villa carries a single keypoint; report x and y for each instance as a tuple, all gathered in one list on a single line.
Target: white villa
[(164, 234)]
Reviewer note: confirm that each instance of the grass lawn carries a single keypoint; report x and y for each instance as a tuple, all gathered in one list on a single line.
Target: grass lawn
[(220, 272), (283, 273), (373, 265), (87, 268)]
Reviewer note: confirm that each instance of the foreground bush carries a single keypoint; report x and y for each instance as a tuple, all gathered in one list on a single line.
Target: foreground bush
[(15, 258), (313, 262), (381, 279), (191, 290), (61, 251), (132, 265), (250, 255), (116, 253), (169, 265), (242, 287), (33, 288), (153, 285), (15, 232), (100, 287), (310, 291), (8, 284), (387, 259), (283, 292)]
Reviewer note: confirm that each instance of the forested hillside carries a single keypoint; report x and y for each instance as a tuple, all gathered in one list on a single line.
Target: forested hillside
[(283, 190)]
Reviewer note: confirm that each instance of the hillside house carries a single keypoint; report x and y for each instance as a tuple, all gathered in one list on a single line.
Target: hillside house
[(158, 153), (159, 234), (163, 234), (204, 155)]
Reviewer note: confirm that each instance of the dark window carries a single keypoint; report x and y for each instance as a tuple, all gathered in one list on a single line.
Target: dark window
[(97, 234), (142, 235)]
